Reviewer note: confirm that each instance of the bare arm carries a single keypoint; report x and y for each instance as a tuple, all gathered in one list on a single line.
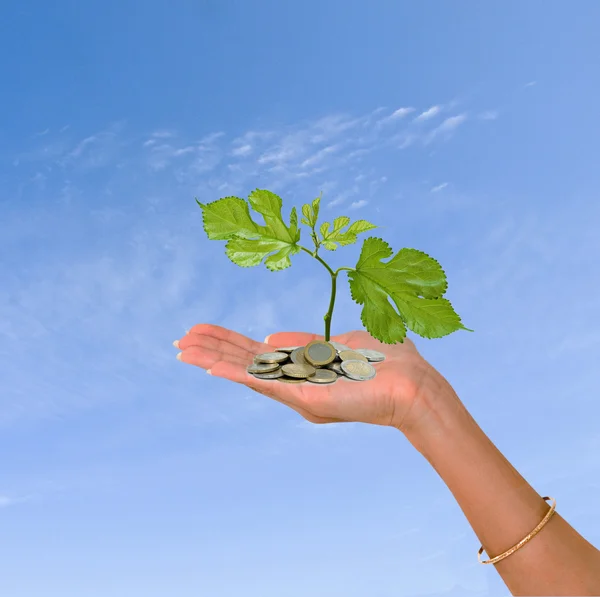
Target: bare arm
[(501, 507), (410, 395)]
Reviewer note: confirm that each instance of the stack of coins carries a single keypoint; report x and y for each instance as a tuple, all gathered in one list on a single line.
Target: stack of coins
[(318, 362)]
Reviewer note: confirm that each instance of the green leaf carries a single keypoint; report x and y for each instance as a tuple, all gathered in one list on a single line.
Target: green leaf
[(310, 211), (228, 217), (315, 206), (294, 225), (249, 243), (330, 238), (307, 212), (413, 282)]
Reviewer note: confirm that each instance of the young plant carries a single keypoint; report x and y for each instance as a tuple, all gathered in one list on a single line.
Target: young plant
[(411, 280)]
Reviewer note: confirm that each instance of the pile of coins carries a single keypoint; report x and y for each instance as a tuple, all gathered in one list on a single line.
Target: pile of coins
[(317, 362)]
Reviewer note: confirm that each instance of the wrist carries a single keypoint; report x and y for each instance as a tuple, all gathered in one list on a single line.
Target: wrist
[(436, 412)]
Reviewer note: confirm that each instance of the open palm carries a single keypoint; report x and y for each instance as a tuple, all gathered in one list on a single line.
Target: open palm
[(385, 400)]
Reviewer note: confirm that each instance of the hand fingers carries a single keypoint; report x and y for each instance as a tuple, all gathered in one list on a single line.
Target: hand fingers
[(282, 339), (208, 358), (221, 333), (214, 344), (232, 366)]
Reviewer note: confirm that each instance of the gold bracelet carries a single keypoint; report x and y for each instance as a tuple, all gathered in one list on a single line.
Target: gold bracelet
[(524, 540)]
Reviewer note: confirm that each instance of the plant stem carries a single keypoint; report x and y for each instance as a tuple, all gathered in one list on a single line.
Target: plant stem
[(333, 274), (329, 313)]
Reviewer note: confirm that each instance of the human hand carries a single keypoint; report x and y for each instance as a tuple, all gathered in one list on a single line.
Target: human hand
[(396, 397)]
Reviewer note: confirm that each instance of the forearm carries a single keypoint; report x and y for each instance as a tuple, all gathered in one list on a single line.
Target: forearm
[(501, 507)]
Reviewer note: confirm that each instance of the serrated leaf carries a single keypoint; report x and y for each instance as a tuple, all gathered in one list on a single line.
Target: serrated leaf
[(226, 218), (350, 235), (360, 226), (339, 223), (249, 243), (329, 245), (316, 204), (269, 205), (294, 224), (307, 213), (311, 212), (281, 259), (413, 281)]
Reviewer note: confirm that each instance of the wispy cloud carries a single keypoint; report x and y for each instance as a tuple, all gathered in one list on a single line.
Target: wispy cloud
[(439, 187), (428, 114), (447, 128), (242, 150), (530, 84), (395, 116), (319, 155), (358, 204)]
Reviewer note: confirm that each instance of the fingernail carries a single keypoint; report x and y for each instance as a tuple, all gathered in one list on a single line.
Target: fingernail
[(208, 371), (187, 332), (267, 339), (178, 356), (176, 343)]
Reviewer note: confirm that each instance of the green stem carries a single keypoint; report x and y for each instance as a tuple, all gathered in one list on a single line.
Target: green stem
[(329, 313), (333, 275)]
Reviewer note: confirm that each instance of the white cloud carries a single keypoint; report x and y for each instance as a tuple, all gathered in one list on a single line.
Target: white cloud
[(439, 187), (337, 201), (401, 113), (346, 194), (82, 145), (395, 116), (358, 204), (452, 123), (163, 155), (447, 127), (319, 156), (530, 84), (243, 150), (405, 140), (427, 114)]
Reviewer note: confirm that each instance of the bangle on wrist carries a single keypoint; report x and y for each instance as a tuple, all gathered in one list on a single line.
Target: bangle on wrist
[(524, 540)]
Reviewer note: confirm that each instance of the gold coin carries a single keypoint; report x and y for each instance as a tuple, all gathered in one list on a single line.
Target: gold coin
[(262, 368), (336, 366), (291, 379), (269, 375), (294, 370), (351, 355), (271, 357), (358, 370), (319, 353), (323, 376), (297, 356)]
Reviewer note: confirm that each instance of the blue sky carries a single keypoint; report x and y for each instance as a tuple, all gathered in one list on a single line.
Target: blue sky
[(466, 130)]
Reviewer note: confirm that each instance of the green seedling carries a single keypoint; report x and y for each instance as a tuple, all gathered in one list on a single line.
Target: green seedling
[(411, 281)]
